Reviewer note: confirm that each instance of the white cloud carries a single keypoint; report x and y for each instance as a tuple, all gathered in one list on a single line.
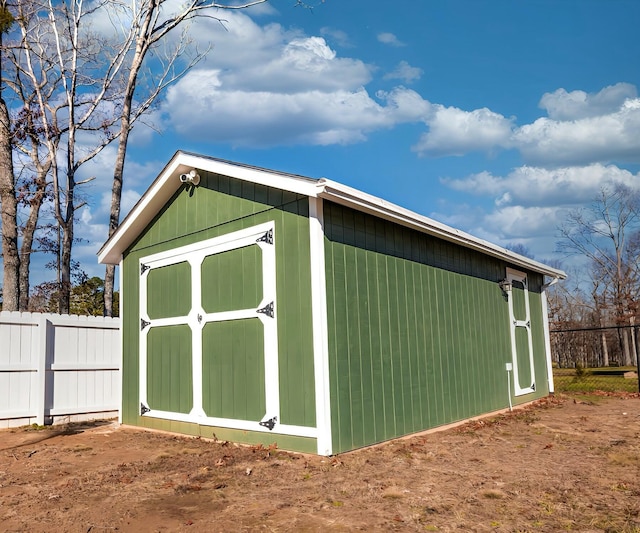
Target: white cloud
[(404, 72), (581, 129), (604, 138), (530, 203), (300, 65), (258, 66), (200, 108), (453, 131), (535, 186), (295, 90), (338, 36), (405, 105), (534, 227), (240, 43), (562, 105), (390, 39), (516, 222), (266, 85)]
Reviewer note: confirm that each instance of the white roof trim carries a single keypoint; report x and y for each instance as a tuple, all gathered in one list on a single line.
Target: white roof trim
[(168, 183), (345, 195)]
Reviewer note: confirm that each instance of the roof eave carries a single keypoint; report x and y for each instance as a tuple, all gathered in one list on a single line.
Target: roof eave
[(167, 183), (350, 197)]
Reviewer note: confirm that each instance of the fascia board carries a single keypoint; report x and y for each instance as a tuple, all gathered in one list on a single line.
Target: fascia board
[(166, 184), (277, 180), (360, 201), (142, 213)]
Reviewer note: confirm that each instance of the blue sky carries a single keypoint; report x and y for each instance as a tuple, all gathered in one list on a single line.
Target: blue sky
[(496, 117)]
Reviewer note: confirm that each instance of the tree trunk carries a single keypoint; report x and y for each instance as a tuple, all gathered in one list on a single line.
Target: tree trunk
[(26, 248), (605, 349), (65, 269), (634, 348), (118, 173), (626, 352), (67, 226), (9, 206), (114, 220)]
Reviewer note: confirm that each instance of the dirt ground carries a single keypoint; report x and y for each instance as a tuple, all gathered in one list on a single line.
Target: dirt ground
[(565, 463)]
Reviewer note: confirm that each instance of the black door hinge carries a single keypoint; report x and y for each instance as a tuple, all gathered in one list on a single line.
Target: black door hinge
[(269, 424), (267, 237), (266, 310)]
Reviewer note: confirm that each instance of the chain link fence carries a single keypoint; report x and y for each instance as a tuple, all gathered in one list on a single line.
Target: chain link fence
[(596, 359)]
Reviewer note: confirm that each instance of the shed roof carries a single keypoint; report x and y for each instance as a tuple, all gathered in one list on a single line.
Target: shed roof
[(167, 182)]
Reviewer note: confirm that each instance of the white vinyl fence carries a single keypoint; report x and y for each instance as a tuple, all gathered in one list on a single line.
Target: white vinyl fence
[(57, 368)]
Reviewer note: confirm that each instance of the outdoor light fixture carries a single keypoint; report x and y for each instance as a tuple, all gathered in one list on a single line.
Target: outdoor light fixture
[(505, 285), (192, 178)]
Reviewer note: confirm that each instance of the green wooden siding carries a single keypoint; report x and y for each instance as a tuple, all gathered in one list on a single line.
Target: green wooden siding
[(221, 205), (524, 364), (169, 374), (169, 291), (519, 302), (233, 369), (418, 330), (232, 280)]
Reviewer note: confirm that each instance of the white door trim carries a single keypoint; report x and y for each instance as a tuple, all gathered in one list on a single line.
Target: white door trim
[(514, 323), (262, 235)]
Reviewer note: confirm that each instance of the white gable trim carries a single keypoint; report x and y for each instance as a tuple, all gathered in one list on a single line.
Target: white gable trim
[(168, 183)]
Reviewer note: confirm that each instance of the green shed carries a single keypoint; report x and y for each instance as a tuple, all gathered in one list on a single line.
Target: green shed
[(262, 307)]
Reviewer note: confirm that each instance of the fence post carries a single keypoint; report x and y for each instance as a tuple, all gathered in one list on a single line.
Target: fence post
[(635, 334), (41, 365)]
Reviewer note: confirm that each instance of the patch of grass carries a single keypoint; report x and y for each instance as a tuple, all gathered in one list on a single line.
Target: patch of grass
[(393, 493), (624, 459), (187, 488), (620, 487), (161, 455), (190, 451), (592, 379), (79, 448), (547, 507), (493, 494)]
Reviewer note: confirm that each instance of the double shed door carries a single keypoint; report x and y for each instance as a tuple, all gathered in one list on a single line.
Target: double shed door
[(208, 341)]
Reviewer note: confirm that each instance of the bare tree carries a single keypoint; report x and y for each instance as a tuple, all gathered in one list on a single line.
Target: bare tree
[(70, 81), (150, 25), (602, 234), (55, 102), (34, 165), (58, 102), (8, 201), (76, 84)]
